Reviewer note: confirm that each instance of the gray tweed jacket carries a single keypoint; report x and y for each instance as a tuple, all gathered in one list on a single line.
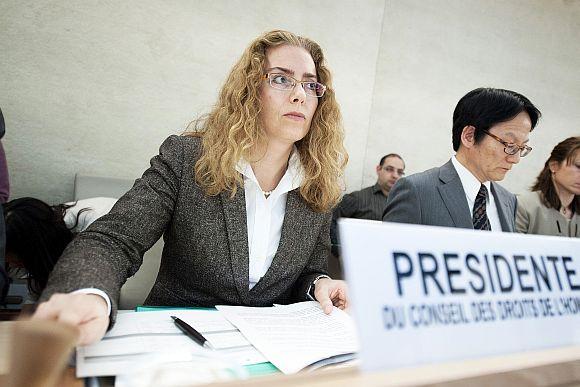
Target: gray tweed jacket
[(205, 260), (436, 197)]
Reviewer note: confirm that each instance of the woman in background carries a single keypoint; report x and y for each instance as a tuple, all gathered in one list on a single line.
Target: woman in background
[(552, 206), (37, 233)]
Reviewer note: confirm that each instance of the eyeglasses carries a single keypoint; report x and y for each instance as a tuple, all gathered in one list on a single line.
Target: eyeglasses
[(286, 82), (510, 147), (390, 169)]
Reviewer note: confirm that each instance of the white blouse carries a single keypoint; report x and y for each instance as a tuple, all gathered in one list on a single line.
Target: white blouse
[(265, 216)]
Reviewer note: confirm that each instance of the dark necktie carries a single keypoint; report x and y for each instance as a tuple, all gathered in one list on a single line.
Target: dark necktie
[(480, 220)]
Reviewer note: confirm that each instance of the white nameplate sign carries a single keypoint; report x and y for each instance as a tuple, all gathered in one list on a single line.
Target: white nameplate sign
[(424, 294)]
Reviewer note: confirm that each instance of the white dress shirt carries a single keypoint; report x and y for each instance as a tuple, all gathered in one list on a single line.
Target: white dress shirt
[(471, 187), (265, 216)]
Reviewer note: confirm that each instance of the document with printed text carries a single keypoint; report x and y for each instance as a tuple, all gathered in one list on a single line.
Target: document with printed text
[(140, 337), (296, 336)]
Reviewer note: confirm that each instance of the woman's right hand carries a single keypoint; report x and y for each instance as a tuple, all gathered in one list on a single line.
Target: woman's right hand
[(87, 312)]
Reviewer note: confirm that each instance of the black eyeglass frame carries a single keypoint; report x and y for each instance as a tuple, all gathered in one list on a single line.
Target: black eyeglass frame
[(509, 146)]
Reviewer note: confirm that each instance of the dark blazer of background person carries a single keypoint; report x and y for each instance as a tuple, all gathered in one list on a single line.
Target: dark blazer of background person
[(437, 197), (205, 257), (370, 202)]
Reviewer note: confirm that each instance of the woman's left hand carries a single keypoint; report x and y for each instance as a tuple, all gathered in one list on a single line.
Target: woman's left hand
[(330, 292)]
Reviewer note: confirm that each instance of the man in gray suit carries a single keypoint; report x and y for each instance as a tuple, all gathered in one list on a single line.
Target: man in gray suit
[(490, 132)]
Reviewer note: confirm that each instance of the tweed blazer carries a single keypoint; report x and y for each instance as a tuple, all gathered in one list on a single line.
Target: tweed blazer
[(533, 217), (436, 197), (205, 260)]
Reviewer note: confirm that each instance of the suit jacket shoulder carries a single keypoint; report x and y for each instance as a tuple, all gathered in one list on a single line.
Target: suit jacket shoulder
[(433, 197)]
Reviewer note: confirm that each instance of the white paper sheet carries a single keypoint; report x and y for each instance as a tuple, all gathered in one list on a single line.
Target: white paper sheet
[(294, 336), (139, 337), (160, 322)]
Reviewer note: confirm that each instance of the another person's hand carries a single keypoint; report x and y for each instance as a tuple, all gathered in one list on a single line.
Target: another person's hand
[(87, 312), (330, 292)]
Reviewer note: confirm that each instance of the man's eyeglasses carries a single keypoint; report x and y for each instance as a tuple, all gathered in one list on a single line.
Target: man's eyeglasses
[(390, 169), (286, 82), (510, 147)]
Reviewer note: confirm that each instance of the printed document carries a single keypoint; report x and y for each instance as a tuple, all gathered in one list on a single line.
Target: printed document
[(147, 337), (293, 337)]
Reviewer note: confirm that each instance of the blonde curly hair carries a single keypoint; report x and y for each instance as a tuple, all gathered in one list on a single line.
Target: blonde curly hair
[(232, 129)]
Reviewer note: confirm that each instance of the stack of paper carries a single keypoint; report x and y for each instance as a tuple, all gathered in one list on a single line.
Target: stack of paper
[(296, 336), (292, 337), (143, 337)]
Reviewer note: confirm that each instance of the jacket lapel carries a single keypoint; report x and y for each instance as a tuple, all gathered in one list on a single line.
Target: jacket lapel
[(237, 230), (453, 196), (502, 204)]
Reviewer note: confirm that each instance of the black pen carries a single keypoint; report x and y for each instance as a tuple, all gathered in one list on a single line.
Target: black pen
[(191, 332)]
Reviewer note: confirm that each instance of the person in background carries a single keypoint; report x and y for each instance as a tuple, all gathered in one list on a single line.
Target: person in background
[(491, 129), (4, 194), (4, 178), (551, 208), (369, 202), (37, 233), (243, 202)]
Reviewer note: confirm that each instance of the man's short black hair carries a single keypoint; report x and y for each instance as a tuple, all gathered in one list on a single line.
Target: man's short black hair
[(390, 155), (484, 107)]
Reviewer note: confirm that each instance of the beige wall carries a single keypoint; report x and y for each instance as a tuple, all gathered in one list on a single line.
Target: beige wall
[(434, 52), (95, 86)]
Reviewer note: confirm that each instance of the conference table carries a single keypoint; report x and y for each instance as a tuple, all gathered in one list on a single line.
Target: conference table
[(551, 367)]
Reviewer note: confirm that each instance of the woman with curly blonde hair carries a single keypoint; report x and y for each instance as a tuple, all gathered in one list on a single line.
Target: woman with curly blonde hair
[(243, 201), (321, 149)]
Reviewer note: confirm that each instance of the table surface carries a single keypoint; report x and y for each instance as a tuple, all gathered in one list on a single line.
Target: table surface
[(68, 378), (552, 367)]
